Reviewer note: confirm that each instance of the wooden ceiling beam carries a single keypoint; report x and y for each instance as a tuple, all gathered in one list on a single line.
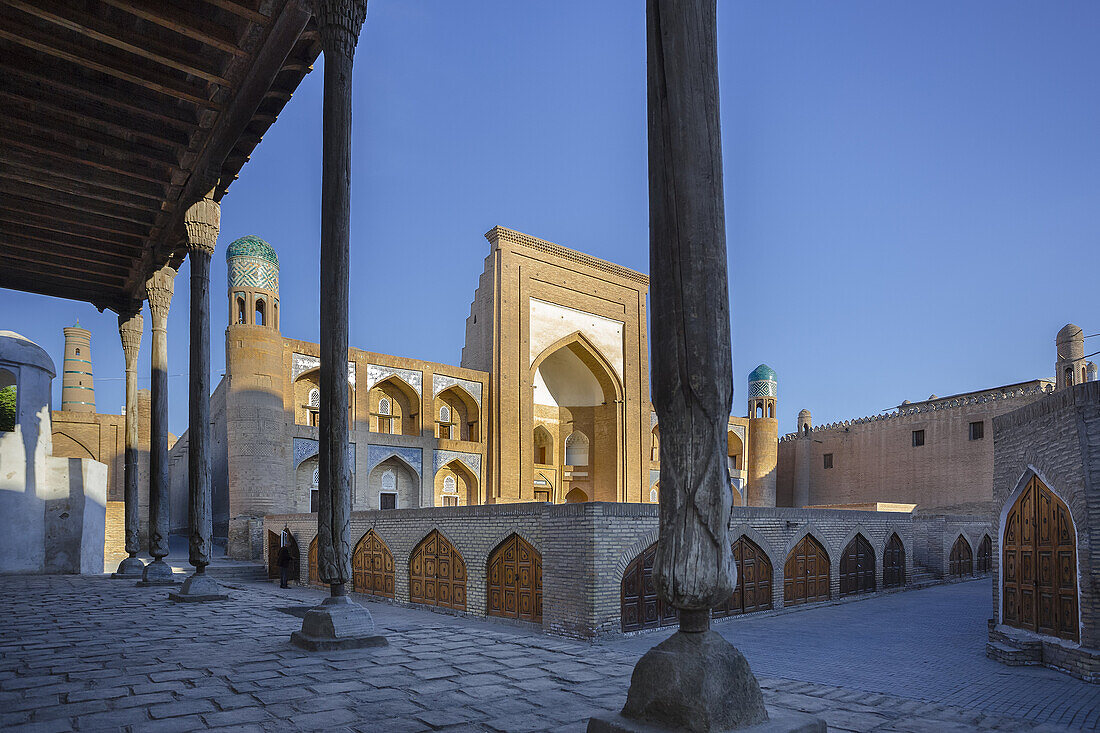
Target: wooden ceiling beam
[(35, 252), (26, 207), (69, 288), (240, 10), (83, 174), (18, 31), (18, 171), (127, 246), (48, 195), (119, 255), (13, 126), (60, 152), (30, 263), (142, 45), (179, 21)]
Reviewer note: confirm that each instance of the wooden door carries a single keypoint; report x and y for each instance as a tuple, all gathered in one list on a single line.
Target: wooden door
[(515, 581), (985, 555), (640, 608), (437, 573), (314, 567), (754, 580), (372, 567), (962, 559), (273, 545), (857, 567), (893, 563), (1039, 564), (806, 573)]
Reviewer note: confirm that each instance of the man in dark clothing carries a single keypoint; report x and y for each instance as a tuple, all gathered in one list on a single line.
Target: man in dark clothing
[(284, 566)]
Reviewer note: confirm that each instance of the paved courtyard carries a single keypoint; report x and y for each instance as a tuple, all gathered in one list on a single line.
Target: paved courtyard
[(96, 654)]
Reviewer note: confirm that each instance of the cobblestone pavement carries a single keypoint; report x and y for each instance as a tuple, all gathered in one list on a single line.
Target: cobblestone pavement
[(96, 654)]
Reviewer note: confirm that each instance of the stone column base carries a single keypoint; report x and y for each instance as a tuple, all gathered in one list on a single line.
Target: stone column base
[(157, 573), (131, 568), (338, 623), (779, 722), (198, 588)]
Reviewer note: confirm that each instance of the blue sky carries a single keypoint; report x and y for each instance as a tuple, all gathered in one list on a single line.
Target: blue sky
[(912, 189)]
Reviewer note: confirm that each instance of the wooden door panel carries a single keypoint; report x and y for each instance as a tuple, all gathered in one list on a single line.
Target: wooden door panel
[(437, 573), (806, 573), (372, 567)]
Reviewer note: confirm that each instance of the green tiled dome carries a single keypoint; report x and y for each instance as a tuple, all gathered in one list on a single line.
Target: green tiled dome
[(252, 246), (763, 373)]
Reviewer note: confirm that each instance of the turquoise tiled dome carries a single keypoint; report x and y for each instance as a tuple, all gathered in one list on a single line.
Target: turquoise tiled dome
[(252, 246), (763, 373), (763, 382)]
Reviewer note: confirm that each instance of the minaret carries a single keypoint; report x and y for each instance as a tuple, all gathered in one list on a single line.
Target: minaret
[(77, 389), (253, 283), (763, 437), (1070, 368)]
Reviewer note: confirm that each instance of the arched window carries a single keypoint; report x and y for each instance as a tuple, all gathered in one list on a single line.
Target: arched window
[(771, 410), (78, 352), (653, 495), (259, 312), (760, 411), (576, 449), (316, 476), (240, 310), (315, 397), (384, 406), (444, 414), (449, 486), (389, 480), (444, 424), (1069, 374)]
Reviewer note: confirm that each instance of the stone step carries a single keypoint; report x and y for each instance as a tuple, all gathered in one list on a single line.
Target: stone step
[(1015, 640), (1012, 656)]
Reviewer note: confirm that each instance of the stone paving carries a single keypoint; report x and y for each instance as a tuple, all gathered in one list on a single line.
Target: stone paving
[(97, 654)]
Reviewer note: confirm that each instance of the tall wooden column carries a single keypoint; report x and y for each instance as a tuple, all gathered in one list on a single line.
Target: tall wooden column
[(695, 680), (159, 289), (201, 222), (337, 623), (130, 326)]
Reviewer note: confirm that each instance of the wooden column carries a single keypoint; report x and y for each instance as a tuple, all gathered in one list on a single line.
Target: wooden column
[(130, 326), (159, 289)]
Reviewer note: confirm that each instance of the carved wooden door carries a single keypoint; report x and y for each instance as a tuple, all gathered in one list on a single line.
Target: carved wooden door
[(806, 573), (754, 580), (372, 567), (1039, 564), (437, 573), (640, 608), (273, 545), (985, 555), (893, 563), (857, 567), (314, 567), (962, 559), (515, 581)]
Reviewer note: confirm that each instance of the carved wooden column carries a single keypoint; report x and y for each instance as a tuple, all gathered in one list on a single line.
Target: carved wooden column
[(130, 326), (159, 290), (695, 680), (337, 622), (201, 222)]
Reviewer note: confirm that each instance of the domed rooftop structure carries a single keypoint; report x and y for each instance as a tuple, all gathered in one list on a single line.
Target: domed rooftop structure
[(804, 413), (763, 373), (17, 348), (763, 382), (1069, 331), (252, 246)]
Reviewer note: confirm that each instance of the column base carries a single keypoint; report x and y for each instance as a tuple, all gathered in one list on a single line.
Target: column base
[(777, 722), (693, 681), (132, 568), (157, 573), (198, 588), (338, 623)]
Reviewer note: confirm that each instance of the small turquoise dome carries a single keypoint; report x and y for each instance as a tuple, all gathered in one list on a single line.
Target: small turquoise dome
[(763, 373), (252, 246)]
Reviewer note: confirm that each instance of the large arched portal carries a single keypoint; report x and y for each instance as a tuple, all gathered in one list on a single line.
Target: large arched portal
[(576, 398)]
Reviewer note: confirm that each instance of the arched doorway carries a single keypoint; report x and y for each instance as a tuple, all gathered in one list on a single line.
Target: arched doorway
[(437, 573), (893, 563), (640, 608), (962, 559), (806, 573), (576, 396), (275, 541), (576, 496), (985, 554), (754, 580), (372, 567), (857, 567), (1039, 564), (515, 581)]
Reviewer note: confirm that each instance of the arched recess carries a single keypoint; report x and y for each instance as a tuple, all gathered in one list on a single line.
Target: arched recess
[(577, 449), (640, 608), (69, 447), (372, 569), (735, 451), (575, 387), (401, 407), (857, 567), (806, 573), (275, 541), (307, 398), (984, 562), (437, 573), (1039, 563), (314, 566), (306, 482), (893, 563), (576, 496), (655, 444), (515, 581), (464, 417), (393, 484), (242, 312), (9, 412), (544, 446), (655, 493), (754, 580), (455, 485), (261, 312), (962, 558)]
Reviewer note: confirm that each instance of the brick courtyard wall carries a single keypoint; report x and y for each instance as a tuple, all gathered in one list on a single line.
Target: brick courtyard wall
[(934, 535), (114, 536), (586, 547), (1057, 439)]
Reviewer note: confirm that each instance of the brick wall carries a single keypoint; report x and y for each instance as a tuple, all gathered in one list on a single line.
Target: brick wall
[(114, 536), (586, 547)]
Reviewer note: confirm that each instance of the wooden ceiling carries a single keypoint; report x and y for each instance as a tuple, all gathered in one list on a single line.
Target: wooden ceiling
[(113, 115)]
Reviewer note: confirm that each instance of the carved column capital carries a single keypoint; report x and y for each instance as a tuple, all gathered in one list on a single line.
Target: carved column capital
[(202, 222), (339, 22), (159, 288), (130, 326)]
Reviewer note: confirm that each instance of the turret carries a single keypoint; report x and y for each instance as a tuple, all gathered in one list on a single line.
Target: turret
[(253, 283), (805, 422), (1090, 371), (77, 388), (763, 437), (1070, 367)]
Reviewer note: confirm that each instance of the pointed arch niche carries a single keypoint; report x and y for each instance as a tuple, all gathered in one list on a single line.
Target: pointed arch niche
[(456, 415), (393, 484), (394, 407), (455, 485)]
